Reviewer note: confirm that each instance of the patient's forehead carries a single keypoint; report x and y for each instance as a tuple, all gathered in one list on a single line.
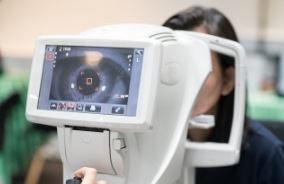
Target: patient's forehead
[(200, 29)]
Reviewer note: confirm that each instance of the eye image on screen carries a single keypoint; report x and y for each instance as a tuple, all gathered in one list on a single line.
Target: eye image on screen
[(92, 79)]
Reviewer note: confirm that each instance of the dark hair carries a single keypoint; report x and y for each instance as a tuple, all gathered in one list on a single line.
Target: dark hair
[(214, 23)]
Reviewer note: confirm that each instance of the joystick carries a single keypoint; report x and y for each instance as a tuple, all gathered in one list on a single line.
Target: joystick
[(75, 180)]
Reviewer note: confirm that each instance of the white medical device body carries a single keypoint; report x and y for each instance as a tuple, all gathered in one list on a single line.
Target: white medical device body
[(121, 98), (213, 154)]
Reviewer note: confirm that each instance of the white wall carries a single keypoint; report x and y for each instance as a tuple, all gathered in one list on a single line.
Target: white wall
[(22, 21), (275, 30)]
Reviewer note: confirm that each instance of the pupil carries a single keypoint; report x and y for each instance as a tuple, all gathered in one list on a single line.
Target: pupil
[(88, 82)]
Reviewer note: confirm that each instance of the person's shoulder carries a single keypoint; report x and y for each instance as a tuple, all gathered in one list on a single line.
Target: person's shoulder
[(264, 155), (262, 140), (260, 131)]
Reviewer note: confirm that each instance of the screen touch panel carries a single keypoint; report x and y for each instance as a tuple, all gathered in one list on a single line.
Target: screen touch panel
[(101, 80)]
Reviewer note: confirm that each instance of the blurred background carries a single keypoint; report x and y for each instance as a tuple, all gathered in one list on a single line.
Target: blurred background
[(28, 152)]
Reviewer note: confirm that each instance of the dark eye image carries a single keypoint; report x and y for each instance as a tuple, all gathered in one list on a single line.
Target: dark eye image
[(88, 82), (91, 76)]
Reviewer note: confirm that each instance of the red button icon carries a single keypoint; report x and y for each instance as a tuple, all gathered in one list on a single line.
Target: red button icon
[(49, 56)]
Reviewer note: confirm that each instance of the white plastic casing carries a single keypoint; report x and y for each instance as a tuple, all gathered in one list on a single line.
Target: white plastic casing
[(147, 94), (210, 154), (150, 147)]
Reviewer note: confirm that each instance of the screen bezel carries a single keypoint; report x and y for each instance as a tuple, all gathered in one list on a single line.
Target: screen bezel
[(146, 97), (64, 65)]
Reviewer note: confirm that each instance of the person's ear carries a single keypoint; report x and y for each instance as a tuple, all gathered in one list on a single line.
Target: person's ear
[(229, 81)]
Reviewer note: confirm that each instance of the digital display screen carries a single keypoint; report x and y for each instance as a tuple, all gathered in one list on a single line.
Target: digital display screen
[(102, 80)]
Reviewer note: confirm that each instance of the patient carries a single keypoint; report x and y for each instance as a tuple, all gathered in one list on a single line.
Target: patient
[(262, 154)]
